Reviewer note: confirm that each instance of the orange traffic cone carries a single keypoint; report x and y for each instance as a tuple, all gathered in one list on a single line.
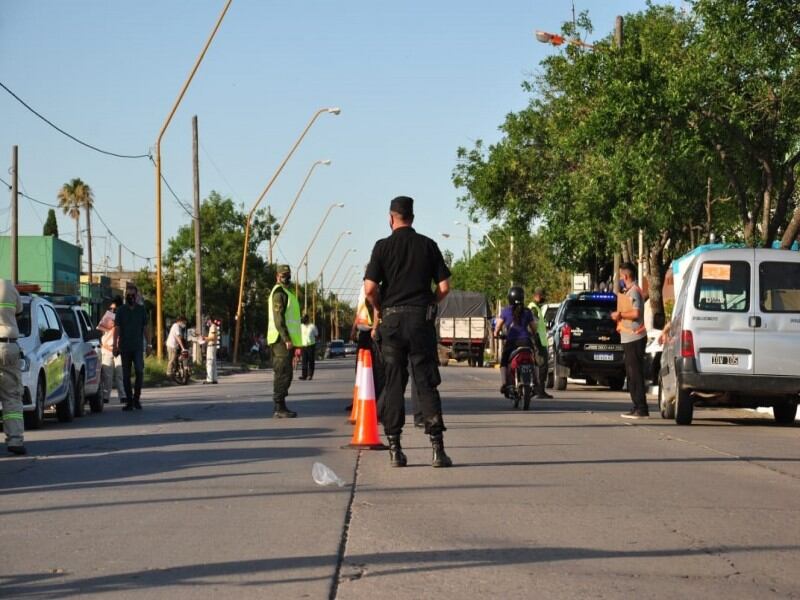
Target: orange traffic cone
[(354, 410), (365, 434)]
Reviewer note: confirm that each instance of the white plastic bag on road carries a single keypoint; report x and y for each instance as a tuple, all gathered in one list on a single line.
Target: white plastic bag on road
[(323, 475)]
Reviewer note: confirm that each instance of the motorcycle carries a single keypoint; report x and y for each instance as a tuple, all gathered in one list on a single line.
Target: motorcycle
[(521, 374), (183, 370)]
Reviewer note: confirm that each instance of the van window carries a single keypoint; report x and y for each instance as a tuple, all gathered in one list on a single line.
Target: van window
[(723, 286), (779, 287)]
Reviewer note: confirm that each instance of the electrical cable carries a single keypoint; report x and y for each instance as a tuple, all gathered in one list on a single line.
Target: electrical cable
[(69, 135), (174, 195), (24, 195)]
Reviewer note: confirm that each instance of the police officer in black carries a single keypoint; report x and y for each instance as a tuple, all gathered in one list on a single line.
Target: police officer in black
[(399, 284)]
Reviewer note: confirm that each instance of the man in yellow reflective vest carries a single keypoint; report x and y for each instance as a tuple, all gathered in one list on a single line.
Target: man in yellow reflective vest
[(537, 307), (283, 335)]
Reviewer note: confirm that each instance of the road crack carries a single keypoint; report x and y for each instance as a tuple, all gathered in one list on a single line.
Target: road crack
[(342, 571)]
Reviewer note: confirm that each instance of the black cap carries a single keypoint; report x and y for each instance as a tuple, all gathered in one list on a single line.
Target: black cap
[(403, 206)]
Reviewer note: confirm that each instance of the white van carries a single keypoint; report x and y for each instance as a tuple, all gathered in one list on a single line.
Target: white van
[(734, 338)]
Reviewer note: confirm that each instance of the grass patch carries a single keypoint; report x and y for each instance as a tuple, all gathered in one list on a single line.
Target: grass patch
[(155, 371)]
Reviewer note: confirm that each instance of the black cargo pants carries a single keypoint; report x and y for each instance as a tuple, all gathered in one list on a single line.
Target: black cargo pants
[(408, 339), (634, 370), (281, 369)]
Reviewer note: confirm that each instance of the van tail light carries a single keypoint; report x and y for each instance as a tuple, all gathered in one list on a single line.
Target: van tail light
[(687, 344), (566, 337)]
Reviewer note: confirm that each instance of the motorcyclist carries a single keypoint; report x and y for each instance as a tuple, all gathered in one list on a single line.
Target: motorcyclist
[(519, 326)]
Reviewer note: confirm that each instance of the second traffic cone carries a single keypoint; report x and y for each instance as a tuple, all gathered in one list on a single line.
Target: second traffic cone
[(354, 410), (365, 433)]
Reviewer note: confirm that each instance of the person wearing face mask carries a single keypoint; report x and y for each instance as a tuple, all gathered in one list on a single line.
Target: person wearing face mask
[(111, 369), (130, 331), (633, 335), (283, 335), (175, 343)]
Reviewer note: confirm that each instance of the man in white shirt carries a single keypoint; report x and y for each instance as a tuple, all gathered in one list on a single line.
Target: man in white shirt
[(175, 343), (309, 334)]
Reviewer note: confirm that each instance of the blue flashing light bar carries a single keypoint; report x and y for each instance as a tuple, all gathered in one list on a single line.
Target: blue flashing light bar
[(599, 296)]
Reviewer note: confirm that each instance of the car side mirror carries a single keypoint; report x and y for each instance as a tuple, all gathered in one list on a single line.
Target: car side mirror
[(50, 335)]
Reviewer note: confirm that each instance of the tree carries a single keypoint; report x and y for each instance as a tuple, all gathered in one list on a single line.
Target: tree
[(73, 197), (50, 225), (222, 224)]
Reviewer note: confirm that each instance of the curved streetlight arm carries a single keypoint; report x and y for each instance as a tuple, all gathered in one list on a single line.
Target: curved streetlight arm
[(347, 274), (316, 233), (157, 161), (330, 254), (341, 264), (316, 115), (273, 241)]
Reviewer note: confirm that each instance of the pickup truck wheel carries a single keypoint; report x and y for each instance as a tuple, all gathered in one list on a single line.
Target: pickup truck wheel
[(785, 413), (80, 395), (684, 407), (666, 407), (35, 418), (561, 383), (65, 410)]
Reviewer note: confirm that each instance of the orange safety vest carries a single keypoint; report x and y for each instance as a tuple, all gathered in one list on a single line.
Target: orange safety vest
[(623, 304)]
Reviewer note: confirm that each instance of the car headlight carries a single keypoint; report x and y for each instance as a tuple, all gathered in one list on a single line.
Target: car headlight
[(24, 364)]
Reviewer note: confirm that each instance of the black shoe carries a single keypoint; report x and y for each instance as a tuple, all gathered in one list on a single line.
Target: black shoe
[(635, 414), (281, 412), (543, 396), (396, 456), (136, 404), (419, 421), (128, 406), (18, 450), (310, 377), (440, 458), (301, 378)]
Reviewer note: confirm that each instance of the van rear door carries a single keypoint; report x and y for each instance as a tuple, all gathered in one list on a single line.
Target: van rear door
[(720, 315), (777, 337)]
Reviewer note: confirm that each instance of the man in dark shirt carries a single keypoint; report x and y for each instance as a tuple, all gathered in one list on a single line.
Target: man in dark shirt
[(130, 332), (399, 285)]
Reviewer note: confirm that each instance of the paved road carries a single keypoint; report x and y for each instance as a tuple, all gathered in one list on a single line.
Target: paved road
[(201, 495)]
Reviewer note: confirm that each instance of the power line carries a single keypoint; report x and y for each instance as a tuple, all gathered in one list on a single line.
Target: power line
[(94, 210), (174, 195), (69, 135)]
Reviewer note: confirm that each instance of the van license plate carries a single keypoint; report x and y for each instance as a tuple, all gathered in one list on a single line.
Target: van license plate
[(731, 360), (604, 356)]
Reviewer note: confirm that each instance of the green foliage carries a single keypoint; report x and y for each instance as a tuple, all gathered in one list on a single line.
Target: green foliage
[(50, 225), (222, 226), (73, 197)]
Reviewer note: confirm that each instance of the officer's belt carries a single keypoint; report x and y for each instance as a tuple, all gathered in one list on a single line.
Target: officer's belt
[(404, 309), (7, 340)]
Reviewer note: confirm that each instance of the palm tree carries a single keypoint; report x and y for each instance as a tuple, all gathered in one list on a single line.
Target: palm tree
[(72, 197)]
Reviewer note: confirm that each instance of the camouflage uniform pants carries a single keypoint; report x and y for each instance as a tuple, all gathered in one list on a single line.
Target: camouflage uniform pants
[(282, 371)]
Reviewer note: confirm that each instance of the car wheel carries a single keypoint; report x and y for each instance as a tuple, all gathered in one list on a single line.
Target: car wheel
[(80, 395), (684, 406), (666, 407), (35, 418), (616, 383), (96, 402), (561, 383), (785, 413), (65, 410)]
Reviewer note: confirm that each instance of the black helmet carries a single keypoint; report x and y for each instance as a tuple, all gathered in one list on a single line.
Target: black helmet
[(516, 295)]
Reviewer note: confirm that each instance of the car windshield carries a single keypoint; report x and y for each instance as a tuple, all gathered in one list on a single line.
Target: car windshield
[(24, 321), (339, 344), (586, 311), (69, 321)]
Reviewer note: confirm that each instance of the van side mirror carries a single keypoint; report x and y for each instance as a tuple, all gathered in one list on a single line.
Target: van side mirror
[(50, 335)]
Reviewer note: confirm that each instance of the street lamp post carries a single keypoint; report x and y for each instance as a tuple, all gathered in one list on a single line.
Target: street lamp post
[(341, 263), (159, 308), (273, 241), (556, 40), (314, 239), (469, 239), (315, 116)]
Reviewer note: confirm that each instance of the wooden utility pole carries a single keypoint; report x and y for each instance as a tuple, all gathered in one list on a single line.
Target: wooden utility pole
[(119, 257), (89, 246), (14, 216), (198, 281)]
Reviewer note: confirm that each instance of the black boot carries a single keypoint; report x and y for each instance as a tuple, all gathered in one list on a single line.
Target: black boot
[(396, 456), (440, 459), (281, 412)]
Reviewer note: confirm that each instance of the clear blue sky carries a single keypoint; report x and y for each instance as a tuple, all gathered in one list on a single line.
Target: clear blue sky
[(415, 80)]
